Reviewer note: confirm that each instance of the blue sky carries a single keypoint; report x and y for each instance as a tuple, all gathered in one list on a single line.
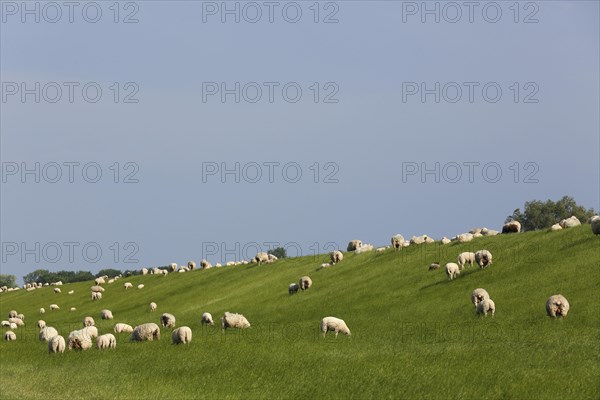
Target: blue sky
[(368, 136)]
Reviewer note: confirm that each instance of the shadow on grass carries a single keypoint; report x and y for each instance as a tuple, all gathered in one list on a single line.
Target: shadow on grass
[(446, 280)]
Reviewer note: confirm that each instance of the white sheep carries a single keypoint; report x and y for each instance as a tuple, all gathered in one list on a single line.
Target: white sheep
[(191, 265), (41, 324), (149, 331), (569, 222), (353, 245), (79, 340), (144, 271), (207, 319), (99, 281), (511, 227), (452, 270), (397, 241), (445, 240), (483, 258), (182, 334), (16, 321), (434, 266), (21, 317), (556, 227), (173, 267), (9, 336), (261, 257), (293, 288), (153, 307), (106, 314), (121, 327), (47, 333), (305, 283), (106, 341), (595, 222), (478, 296), (557, 306), (326, 265), (90, 331), (205, 264), (42, 310), (56, 344), (333, 324), (110, 281), (364, 248), (140, 286), (127, 285), (336, 257), (97, 288), (380, 249), (57, 290), (464, 237), (218, 265), (71, 291), (96, 296), (489, 232), (233, 320), (12, 314), (486, 306), (466, 257), (88, 321), (73, 309), (167, 320), (12, 326)]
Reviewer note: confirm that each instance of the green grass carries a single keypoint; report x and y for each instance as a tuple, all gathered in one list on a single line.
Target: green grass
[(414, 333)]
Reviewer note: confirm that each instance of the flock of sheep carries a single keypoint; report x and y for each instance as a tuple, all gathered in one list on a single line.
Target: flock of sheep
[(82, 339)]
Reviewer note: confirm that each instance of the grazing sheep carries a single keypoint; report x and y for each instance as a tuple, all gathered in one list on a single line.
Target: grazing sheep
[(595, 222), (162, 272), (293, 288), (207, 319), (88, 321), (127, 285), (182, 334), (10, 335), (140, 286), (434, 266), (153, 307), (191, 265), (569, 222), (397, 241), (483, 258), (272, 258), (557, 306), (56, 290), (478, 296), (17, 321), (149, 331), (333, 324), (12, 314), (261, 257), (21, 317), (452, 270), (144, 271), (47, 333), (445, 240), (73, 309), (305, 283), (485, 306), (489, 232), (41, 324), (97, 288), (556, 227), (466, 257), (42, 311), (106, 341), (364, 248), (79, 340), (511, 227), (12, 325), (167, 320), (111, 280), (56, 344), (121, 327), (96, 296), (232, 320), (464, 237), (90, 331), (71, 291), (205, 264), (106, 314), (99, 281), (353, 245)]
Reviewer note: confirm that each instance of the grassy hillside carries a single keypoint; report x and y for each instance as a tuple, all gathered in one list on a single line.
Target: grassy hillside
[(414, 333)]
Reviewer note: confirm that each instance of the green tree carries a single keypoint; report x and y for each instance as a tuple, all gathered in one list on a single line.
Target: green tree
[(538, 214), (110, 272), (38, 276), (8, 280), (278, 252)]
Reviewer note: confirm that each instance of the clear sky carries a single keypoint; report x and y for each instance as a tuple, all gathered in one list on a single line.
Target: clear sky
[(497, 103)]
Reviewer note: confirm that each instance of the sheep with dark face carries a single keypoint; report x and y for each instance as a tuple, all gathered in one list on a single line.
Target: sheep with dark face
[(595, 222), (293, 288), (557, 306), (354, 244), (397, 241), (167, 320), (207, 319), (512, 227)]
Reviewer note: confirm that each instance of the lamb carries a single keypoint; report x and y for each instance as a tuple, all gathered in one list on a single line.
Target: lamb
[(121, 327), (353, 245), (261, 257), (232, 320), (445, 240), (56, 290), (88, 321), (42, 310), (452, 270), (56, 344), (418, 239), (483, 258), (293, 288), (10, 335), (557, 306), (167, 320), (106, 314), (140, 286), (466, 257), (127, 285), (478, 296), (207, 319), (397, 241), (511, 227), (149, 331), (47, 333), (106, 341), (191, 265), (111, 281), (486, 306), (41, 324), (153, 307), (595, 222), (96, 296), (162, 272), (569, 222), (333, 324), (205, 264), (556, 227), (182, 334), (305, 283), (434, 266), (99, 281), (97, 288)]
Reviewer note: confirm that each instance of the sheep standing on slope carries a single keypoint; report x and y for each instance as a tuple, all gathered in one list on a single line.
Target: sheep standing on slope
[(333, 324), (353, 245), (106, 341), (42, 311), (207, 319), (182, 335), (336, 257), (511, 227), (478, 296), (191, 265), (464, 237), (54, 307), (569, 222), (106, 314), (483, 258), (167, 320), (232, 320), (56, 344), (293, 288), (121, 327), (88, 321), (486, 306), (205, 264), (452, 270), (397, 241), (261, 257), (56, 290), (10, 336), (96, 296), (128, 285), (149, 332), (140, 286), (556, 227), (41, 324), (153, 307), (595, 222), (305, 283), (466, 257), (47, 333), (79, 340), (99, 281), (557, 306)]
